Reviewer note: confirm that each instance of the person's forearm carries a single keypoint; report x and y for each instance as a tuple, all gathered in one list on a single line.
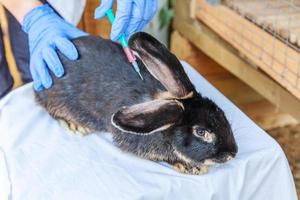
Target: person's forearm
[(19, 8)]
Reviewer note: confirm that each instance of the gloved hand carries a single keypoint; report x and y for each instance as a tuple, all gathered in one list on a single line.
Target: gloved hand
[(47, 32), (131, 15)]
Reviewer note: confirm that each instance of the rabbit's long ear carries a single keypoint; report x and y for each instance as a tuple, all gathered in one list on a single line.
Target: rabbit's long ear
[(147, 118), (162, 64)]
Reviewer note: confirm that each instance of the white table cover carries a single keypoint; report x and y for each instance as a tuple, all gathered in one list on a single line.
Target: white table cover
[(40, 160)]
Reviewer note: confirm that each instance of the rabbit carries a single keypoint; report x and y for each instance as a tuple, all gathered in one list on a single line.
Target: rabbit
[(160, 118)]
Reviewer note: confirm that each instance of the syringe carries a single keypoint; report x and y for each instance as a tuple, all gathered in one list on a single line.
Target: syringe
[(131, 58)]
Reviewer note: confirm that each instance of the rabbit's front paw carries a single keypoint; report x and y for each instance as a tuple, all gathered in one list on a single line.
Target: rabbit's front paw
[(193, 170), (74, 128), (199, 170)]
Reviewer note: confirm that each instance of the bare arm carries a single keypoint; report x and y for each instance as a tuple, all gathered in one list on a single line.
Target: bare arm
[(19, 8)]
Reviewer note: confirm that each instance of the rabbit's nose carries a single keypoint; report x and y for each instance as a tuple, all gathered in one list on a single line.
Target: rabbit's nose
[(230, 156), (224, 157)]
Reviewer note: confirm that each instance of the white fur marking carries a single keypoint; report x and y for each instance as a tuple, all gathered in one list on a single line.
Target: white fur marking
[(141, 134), (182, 157), (180, 104), (208, 137), (209, 162), (206, 162)]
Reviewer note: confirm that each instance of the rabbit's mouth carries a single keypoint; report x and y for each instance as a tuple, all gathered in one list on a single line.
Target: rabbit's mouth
[(224, 157)]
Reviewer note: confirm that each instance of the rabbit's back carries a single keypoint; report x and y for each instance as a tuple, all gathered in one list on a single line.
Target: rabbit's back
[(96, 85)]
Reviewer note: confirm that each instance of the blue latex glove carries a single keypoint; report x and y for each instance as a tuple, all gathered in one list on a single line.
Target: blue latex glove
[(47, 32), (131, 15)]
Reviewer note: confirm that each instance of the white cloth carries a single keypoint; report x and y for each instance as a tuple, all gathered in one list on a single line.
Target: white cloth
[(39, 160), (70, 10)]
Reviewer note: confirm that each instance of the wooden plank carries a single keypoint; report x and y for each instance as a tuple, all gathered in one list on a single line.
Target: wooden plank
[(295, 36), (193, 8), (273, 56), (220, 51), (89, 24), (266, 115), (181, 46)]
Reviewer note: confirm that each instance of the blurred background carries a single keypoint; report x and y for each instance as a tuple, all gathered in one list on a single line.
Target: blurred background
[(248, 49)]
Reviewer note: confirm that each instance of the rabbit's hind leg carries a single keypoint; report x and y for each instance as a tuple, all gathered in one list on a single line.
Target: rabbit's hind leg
[(73, 127), (180, 167), (193, 170)]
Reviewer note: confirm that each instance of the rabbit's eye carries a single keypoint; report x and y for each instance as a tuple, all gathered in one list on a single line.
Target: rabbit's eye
[(205, 134), (199, 131)]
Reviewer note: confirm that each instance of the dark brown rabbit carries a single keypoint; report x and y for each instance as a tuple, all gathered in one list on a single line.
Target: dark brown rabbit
[(162, 118)]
